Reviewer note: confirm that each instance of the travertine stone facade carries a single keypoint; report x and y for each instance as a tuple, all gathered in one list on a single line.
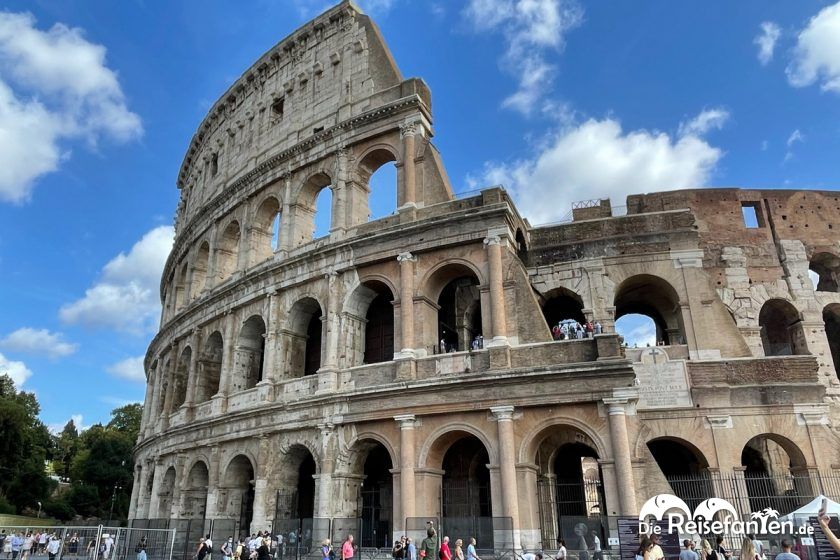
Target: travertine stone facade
[(303, 378)]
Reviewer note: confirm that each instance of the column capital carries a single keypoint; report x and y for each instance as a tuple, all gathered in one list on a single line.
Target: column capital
[(410, 128), (502, 413), (492, 240), (407, 421), (406, 257)]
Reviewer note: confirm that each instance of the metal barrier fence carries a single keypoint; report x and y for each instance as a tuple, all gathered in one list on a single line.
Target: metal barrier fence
[(188, 532), (100, 542)]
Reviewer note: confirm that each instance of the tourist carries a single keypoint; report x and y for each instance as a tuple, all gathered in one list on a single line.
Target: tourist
[(411, 550), (720, 551), (687, 553), (598, 328), (42, 543), (326, 550), (17, 545), (239, 550), (786, 553), (347, 550), (645, 549), (53, 546), (7, 544), (398, 551), (141, 548), (442, 346), (656, 550), (561, 551), (26, 549), (748, 550), (596, 548), (445, 553), (459, 551), (227, 548), (201, 550), (208, 543), (73, 545), (90, 550), (706, 552), (759, 546), (428, 548), (264, 550), (471, 555), (109, 546), (532, 556), (589, 329)]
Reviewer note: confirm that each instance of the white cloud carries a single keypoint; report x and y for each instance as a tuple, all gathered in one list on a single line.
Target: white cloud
[(795, 136), (127, 295), (54, 87), (38, 341), (597, 159), (16, 370), (129, 368), (531, 29), (766, 41), (78, 421), (817, 53), (707, 120)]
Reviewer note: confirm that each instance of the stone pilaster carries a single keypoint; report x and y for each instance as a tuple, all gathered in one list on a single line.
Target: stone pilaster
[(498, 318), (617, 408), (503, 415), (408, 198), (407, 262), (407, 423)]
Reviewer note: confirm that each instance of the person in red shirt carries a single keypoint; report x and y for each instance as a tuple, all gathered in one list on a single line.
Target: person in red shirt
[(445, 553), (347, 548)]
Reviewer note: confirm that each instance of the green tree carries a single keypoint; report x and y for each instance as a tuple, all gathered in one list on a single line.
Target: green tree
[(126, 419), (66, 447)]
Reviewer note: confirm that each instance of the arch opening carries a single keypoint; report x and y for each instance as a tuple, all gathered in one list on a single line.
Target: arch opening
[(304, 338), (180, 377), (826, 268), (465, 485), (210, 368), (199, 271), (236, 500), (195, 498), (379, 175), (249, 353), (775, 474), (167, 488), (265, 230), (655, 299), (831, 318), (182, 289), (295, 505), (377, 497), (563, 310), (684, 468), (459, 315), (313, 211), (781, 330), (369, 324), (227, 251), (521, 246)]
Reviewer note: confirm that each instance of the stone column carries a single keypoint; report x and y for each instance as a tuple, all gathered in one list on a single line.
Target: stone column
[(286, 217), (406, 261), (408, 199), (503, 415), (324, 480), (135, 491), (192, 374), (328, 373), (170, 392), (213, 475), (270, 373), (259, 520), (407, 424), (225, 376), (154, 499), (148, 403), (617, 412), (339, 217), (493, 244)]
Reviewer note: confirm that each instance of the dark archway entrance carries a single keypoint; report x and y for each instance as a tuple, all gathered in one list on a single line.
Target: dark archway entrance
[(831, 318), (379, 330), (377, 499), (685, 469), (775, 474), (781, 329)]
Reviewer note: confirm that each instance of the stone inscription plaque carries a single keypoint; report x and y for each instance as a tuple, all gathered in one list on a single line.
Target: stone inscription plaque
[(663, 383)]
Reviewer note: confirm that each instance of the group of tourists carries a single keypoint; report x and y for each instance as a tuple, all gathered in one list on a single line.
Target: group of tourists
[(751, 549), (574, 330), (24, 545)]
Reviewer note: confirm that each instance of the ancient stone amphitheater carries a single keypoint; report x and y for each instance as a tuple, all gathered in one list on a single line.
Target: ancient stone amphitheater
[(300, 381)]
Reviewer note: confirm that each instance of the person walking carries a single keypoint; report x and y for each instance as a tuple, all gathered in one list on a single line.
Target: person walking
[(561, 552), (656, 552), (53, 546), (445, 553), (471, 554), (687, 553), (17, 545), (201, 550), (411, 550), (347, 551), (644, 550), (458, 554), (720, 551), (706, 552), (26, 549), (264, 550), (73, 545), (748, 550), (208, 543), (786, 553), (429, 547), (141, 548), (398, 550)]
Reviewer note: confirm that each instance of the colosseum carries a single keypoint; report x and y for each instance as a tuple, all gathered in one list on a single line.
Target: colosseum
[(388, 372)]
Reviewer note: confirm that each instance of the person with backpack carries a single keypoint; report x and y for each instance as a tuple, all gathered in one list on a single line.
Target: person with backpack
[(141, 548), (201, 551), (239, 549), (208, 543)]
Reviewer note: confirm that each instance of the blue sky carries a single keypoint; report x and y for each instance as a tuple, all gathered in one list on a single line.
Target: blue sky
[(560, 100)]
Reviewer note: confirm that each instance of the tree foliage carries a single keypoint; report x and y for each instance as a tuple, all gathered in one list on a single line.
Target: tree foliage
[(95, 466)]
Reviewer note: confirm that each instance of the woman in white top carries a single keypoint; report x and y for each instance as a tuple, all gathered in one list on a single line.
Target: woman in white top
[(561, 552)]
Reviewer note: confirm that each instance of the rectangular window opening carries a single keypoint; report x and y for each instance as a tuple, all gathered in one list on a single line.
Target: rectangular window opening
[(277, 108), (751, 212)]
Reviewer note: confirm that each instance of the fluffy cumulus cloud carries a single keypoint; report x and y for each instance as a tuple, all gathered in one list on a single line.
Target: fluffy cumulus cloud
[(16, 370), (766, 41), (39, 342), (127, 295), (598, 159), (532, 29), (129, 368), (54, 87), (816, 57)]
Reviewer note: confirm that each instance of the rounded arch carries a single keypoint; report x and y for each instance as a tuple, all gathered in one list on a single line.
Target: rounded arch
[(375, 156), (827, 266), (305, 337), (781, 328), (295, 480), (536, 435), (265, 228), (227, 250), (210, 367), (182, 371), (198, 475), (250, 350), (239, 470), (438, 443), (375, 170), (199, 269), (831, 319), (455, 287), (655, 298), (795, 456), (238, 479), (773, 476), (521, 246), (436, 278), (676, 456), (182, 288), (369, 323), (351, 455), (165, 493), (561, 305)]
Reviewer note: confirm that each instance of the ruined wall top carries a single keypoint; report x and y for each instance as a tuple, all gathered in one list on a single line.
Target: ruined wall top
[(331, 69)]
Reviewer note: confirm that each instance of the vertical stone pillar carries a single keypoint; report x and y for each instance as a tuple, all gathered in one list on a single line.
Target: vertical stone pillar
[(324, 480), (507, 467), (270, 371), (493, 244), (286, 216), (340, 212), (210, 275), (192, 373), (154, 499), (135, 491), (259, 521), (225, 376), (328, 373), (148, 403), (617, 413), (408, 198), (170, 389), (213, 475), (407, 423), (406, 261)]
